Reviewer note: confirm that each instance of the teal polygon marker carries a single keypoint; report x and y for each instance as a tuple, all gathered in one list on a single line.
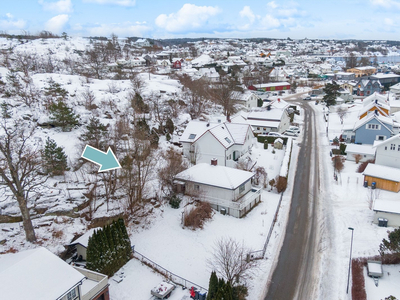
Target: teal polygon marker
[(107, 161)]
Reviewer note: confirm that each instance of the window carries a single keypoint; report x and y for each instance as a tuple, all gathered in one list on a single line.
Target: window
[(71, 295), (196, 187), (241, 188), (373, 126), (385, 147), (228, 140), (192, 136), (398, 148), (392, 146), (381, 138)]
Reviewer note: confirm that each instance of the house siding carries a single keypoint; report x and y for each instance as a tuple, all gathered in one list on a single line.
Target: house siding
[(383, 184), (368, 136), (388, 157), (393, 218)]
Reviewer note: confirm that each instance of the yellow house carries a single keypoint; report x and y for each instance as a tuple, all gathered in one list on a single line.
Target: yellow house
[(362, 71)]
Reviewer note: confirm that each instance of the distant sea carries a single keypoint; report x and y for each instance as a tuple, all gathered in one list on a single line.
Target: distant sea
[(381, 59)]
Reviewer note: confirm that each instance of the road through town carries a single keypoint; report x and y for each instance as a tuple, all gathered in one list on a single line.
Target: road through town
[(296, 273)]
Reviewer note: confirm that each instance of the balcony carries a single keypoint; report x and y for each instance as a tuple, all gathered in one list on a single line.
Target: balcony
[(94, 284)]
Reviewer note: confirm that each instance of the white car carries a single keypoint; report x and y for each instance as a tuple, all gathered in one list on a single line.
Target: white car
[(274, 134), (290, 133), (294, 129)]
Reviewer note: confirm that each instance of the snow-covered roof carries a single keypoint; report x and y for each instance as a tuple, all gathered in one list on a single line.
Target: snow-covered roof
[(219, 176), (84, 239), (387, 141), (226, 133), (265, 115), (383, 172), (381, 119), (36, 274), (361, 149), (385, 205), (375, 96), (265, 85)]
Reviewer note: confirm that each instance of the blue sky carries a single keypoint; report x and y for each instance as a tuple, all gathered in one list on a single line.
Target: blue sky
[(323, 19)]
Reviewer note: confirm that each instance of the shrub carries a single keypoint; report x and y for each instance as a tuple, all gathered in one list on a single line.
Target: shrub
[(281, 183), (357, 157), (196, 217), (358, 285), (342, 148), (363, 165), (265, 145), (175, 201)]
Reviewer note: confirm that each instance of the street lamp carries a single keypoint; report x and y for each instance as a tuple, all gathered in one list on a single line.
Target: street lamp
[(351, 247)]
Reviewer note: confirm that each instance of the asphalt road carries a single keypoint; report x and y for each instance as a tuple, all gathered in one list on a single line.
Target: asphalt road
[(295, 275)]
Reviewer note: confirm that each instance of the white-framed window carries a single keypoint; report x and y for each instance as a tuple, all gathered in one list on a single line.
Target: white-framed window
[(398, 147), (380, 137), (392, 146), (385, 147), (241, 188), (71, 295), (373, 126)]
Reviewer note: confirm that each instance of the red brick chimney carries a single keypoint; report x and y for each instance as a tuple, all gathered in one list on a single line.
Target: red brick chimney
[(214, 162)]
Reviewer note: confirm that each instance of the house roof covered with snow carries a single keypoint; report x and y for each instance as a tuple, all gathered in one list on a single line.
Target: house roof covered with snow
[(375, 97), (386, 205), (36, 274), (387, 141), (84, 239), (383, 172), (385, 121), (361, 149), (219, 176)]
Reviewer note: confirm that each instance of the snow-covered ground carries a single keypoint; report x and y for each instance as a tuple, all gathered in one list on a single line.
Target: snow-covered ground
[(388, 284)]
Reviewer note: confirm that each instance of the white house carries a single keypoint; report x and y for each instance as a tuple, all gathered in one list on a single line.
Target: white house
[(274, 117), (388, 209), (367, 152), (247, 99), (388, 152), (39, 274), (227, 142), (142, 43), (81, 244), (228, 190)]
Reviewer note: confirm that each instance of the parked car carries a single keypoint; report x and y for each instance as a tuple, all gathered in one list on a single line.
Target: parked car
[(290, 133), (274, 134), (294, 129), (307, 98)]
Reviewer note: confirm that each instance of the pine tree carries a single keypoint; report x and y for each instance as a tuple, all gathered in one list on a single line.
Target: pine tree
[(54, 158), (169, 126), (63, 116), (213, 286), (331, 91), (95, 134)]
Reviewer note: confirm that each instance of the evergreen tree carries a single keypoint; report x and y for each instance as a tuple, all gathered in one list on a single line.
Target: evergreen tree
[(54, 158), (95, 134), (213, 286), (332, 92), (109, 248), (63, 116), (169, 126)]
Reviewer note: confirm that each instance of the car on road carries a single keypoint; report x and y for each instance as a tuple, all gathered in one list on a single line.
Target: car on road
[(307, 98)]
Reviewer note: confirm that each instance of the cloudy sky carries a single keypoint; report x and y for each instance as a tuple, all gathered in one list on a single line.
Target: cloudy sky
[(337, 19)]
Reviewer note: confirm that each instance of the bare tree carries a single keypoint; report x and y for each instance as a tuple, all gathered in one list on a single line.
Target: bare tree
[(230, 259), (342, 112), (174, 165), (225, 94), (88, 98), (357, 157), (20, 169)]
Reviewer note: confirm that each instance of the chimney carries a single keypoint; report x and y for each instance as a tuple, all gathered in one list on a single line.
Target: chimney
[(214, 162), (279, 100), (376, 112)]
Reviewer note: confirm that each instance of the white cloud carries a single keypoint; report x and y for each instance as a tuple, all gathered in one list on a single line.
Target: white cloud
[(388, 21), (123, 29), (246, 12), (115, 2), (269, 22), (386, 3), (188, 17), (272, 4), (57, 23), (62, 6), (11, 24)]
